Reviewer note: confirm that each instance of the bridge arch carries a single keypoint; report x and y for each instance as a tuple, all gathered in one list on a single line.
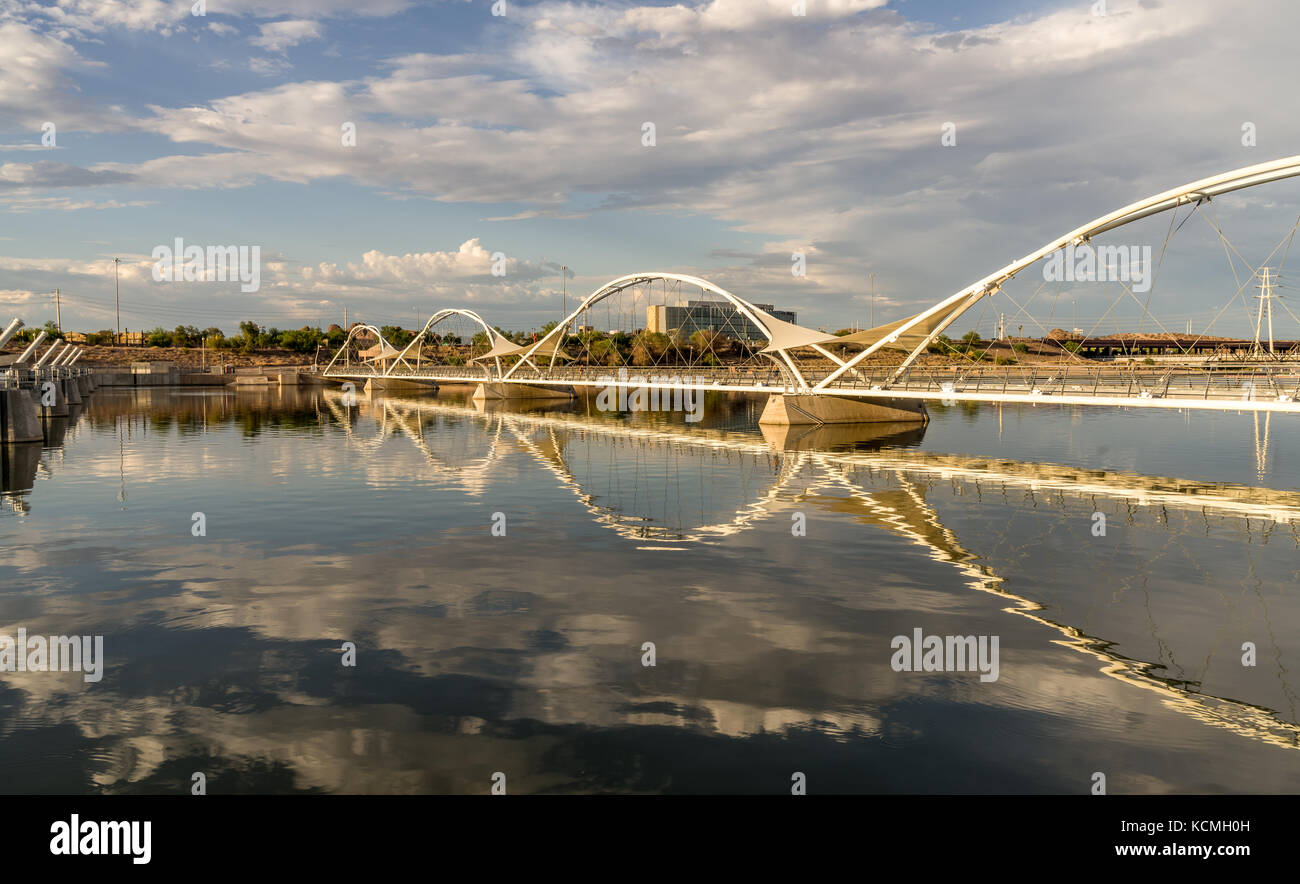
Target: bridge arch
[(353, 332), (494, 337), (930, 323), (781, 335)]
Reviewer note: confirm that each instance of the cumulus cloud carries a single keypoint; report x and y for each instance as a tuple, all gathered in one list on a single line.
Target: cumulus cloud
[(470, 263)]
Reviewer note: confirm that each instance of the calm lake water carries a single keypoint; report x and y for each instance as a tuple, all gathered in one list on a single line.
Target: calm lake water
[(523, 654)]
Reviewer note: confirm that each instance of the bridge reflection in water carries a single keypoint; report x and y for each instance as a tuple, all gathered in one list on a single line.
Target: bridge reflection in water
[(634, 484), (349, 521)]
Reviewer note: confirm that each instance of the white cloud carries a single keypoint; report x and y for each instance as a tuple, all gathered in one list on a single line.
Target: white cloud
[(469, 263), (34, 72), (281, 35), (83, 17), (268, 67), (735, 15)]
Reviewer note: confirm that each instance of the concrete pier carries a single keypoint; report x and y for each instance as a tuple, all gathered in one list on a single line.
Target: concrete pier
[(56, 429), (824, 437), (58, 399), (19, 418), (520, 391), (791, 409), (18, 466), (72, 390)]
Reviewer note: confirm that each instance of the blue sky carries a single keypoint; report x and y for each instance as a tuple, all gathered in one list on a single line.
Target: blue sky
[(521, 134)]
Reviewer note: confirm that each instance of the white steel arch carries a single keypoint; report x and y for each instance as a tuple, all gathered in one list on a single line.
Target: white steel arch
[(352, 333), (1196, 192), (772, 327), (493, 335)]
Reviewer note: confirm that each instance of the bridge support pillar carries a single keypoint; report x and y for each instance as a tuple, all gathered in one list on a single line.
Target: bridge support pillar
[(520, 391), (58, 396), (72, 390), (18, 465), (19, 421), (789, 409), (83, 385)]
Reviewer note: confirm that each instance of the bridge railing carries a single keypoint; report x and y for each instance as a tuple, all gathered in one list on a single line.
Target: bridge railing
[(1274, 382)]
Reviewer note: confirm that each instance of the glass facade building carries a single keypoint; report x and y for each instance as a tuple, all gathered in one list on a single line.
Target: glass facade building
[(717, 316)]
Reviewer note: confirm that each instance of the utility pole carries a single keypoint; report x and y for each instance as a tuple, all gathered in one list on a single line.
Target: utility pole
[(1265, 296), (117, 295), (58, 312), (873, 300), (564, 298)]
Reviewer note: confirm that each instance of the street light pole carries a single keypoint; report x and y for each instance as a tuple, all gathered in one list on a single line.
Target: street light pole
[(564, 296), (117, 296)]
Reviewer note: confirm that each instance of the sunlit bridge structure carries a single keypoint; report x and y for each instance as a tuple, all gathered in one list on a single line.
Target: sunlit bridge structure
[(619, 336)]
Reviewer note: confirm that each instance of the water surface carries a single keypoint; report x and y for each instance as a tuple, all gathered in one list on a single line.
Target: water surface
[(523, 654)]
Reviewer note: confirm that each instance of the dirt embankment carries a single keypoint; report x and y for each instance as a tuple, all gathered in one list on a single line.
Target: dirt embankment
[(185, 358)]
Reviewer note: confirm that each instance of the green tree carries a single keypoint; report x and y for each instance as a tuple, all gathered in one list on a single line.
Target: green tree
[(396, 335), (302, 340)]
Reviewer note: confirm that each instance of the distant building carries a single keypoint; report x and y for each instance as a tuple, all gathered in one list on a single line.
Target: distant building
[(718, 316)]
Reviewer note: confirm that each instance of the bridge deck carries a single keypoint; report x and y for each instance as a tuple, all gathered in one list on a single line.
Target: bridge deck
[(1266, 389)]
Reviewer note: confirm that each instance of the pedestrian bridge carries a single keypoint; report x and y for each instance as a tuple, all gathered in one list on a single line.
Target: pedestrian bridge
[(674, 335)]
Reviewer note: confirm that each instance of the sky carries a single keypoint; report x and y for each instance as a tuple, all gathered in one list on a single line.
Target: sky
[(523, 135)]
